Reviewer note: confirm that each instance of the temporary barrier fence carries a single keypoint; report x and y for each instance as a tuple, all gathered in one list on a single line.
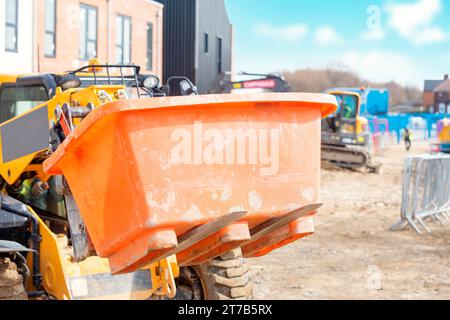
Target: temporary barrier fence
[(426, 192)]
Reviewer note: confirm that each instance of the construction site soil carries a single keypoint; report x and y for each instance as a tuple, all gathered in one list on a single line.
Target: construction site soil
[(353, 255)]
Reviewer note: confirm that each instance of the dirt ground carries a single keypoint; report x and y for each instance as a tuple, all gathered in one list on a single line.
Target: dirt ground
[(353, 255)]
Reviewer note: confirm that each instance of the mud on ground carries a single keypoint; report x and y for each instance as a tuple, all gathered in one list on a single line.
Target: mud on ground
[(353, 255)]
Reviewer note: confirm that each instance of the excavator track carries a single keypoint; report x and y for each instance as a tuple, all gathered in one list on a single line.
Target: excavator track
[(350, 157)]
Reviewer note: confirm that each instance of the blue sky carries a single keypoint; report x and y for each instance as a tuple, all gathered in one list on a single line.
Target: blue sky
[(381, 40)]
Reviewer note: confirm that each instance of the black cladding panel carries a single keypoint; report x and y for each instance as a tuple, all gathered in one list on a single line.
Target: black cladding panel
[(186, 22), (179, 38), (25, 135)]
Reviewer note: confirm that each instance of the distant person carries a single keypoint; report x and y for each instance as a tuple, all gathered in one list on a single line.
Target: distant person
[(407, 138)]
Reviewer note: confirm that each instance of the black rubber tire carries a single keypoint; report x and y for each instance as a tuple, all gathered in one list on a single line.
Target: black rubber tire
[(11, 282), (223, 278)]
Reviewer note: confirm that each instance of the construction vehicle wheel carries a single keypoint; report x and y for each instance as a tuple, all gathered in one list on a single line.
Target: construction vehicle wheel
[(223, 278), (11, 282)]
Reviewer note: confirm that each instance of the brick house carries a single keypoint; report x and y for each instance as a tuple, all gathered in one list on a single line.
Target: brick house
[(436, 96), (63, 35)]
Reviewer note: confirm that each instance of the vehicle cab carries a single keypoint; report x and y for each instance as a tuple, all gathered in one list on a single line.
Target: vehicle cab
[(346, 125)]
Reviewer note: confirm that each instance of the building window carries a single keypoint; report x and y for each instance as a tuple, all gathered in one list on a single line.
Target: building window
[(123, 39), (11, 25), (206, 42), (88, 32), (149, 46), (219, 55), (50, 28)]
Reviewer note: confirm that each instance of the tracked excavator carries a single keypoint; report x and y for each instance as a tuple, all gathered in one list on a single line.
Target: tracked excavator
[(346, 135), (257, 82), (112, 188)]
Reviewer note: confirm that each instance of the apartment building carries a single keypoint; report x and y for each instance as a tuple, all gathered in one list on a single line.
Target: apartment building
[(61, 35), (16, 40)]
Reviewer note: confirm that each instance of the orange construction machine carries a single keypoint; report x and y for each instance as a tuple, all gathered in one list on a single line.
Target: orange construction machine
[(112, 189)]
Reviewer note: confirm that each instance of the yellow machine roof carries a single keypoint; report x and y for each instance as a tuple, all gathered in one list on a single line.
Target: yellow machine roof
[(8, 78)]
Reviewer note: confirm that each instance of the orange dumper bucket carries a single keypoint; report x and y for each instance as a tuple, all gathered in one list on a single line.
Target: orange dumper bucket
[(195, 176)]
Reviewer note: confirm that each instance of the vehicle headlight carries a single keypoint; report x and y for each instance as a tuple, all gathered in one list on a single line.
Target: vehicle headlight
[(151, 82), (69, 81)]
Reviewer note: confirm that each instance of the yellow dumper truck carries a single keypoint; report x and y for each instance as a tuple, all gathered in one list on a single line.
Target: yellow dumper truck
[(111, 188)]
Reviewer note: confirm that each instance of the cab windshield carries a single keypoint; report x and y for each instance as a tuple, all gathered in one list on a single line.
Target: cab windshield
[(348, 105), (16, 100)]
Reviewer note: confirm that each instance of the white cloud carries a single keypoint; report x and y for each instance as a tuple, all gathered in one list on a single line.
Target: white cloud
[(290, 33), (326, 35), (414, 21), (430, 35), (373, 35), (382, 66), (406, 18)]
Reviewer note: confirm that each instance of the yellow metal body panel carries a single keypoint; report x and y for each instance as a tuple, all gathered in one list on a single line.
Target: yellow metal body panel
[(52, 264), (8, 78), (163, 277), (57, 267)]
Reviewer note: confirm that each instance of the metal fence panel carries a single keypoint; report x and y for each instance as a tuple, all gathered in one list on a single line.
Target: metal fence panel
[(426, 192)]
